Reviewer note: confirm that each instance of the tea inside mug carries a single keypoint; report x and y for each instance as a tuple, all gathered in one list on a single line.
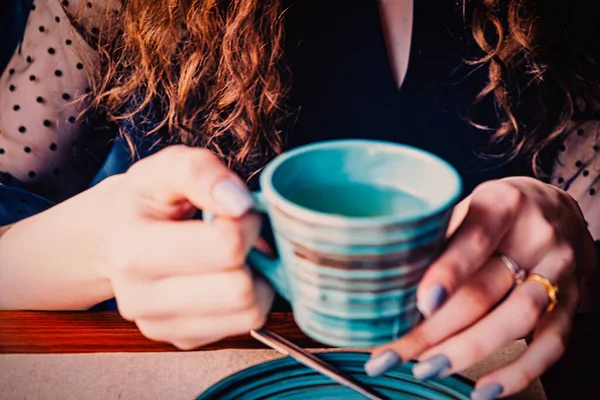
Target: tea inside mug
[(355, 199), (362, 181)]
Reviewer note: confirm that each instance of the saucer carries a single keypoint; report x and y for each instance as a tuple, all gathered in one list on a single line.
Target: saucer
[(285, 378)]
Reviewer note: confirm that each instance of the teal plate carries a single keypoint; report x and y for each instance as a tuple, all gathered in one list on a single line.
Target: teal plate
[(286, 379)]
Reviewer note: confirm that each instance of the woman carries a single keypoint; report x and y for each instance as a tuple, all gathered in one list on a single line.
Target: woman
[(237, 82)]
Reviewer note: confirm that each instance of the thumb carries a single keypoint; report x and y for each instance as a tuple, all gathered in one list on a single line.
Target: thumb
[(180, 176)]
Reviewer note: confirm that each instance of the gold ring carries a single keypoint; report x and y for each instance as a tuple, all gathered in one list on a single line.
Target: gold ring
[(551, 289)]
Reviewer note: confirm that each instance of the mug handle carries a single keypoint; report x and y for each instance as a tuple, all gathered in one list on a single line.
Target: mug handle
[(268, 267)]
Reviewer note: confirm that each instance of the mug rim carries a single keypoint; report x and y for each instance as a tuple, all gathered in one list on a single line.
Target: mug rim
[(273, 196)]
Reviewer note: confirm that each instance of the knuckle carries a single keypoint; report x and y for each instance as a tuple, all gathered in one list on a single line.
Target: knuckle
[(482, 235), (150, 331), (511, 197), (254, 318), (127, 313), (475, 351), (197, 160), (485, 187), (529, 311), (419, 340), (133, 303), (231, 242), (193, 160), (567, 258), (185, 345), (127, 308), (546, 234), (505, 198), (166, 156), (242, 289), (557, 344), (175, 152), (478, 296), (524, 377)]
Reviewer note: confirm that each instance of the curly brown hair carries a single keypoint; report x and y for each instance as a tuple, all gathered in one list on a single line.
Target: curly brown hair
[(543, 70), (216, 68), (213, 67)]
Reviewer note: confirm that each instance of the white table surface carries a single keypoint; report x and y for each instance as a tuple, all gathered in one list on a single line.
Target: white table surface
[(173, 376)]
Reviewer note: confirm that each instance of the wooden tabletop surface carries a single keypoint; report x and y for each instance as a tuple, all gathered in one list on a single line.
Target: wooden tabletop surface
[(575, 376)]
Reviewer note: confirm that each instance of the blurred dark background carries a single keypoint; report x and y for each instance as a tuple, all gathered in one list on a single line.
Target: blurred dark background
[(13, 17)]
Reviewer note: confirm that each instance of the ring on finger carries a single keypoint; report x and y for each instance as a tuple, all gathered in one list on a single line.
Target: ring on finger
[(551, 289), (518, 273)]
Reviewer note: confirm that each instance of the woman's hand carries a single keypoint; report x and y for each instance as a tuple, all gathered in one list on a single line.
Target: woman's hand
[(183, 281), (469, 296)]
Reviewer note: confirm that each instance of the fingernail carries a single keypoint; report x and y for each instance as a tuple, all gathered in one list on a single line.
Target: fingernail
[(431, 367), (231, 195), (382, 363), (487, 392), (432, 300)]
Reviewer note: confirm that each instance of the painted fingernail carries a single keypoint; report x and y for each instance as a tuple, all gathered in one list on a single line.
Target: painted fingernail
[(382, 363), (431, 367), (487, 392), (231, 195), (432, 300)]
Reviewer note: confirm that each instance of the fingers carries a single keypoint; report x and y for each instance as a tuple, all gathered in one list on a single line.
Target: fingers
[(492, 211), (188, 332), (463, 330), (210, 294), (522, 309), (458, 216), (185, 282), (472, 300), (167, 180), (513, 319), (188, 247), (544, 351)]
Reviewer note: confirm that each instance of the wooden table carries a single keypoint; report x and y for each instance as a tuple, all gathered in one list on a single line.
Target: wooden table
[(105, 332)]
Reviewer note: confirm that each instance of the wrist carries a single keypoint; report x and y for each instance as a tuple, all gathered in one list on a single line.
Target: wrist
[(53, 260), (96, 206)]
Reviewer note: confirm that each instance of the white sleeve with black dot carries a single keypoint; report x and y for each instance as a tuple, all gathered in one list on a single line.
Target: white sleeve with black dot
[(577, 170), (44, 145)]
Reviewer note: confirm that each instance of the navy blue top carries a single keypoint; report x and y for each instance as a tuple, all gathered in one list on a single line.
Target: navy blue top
[(343, 87)]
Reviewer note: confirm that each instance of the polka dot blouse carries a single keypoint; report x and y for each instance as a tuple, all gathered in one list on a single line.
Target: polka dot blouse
[(577, 170), (47, 149), (45, 145)]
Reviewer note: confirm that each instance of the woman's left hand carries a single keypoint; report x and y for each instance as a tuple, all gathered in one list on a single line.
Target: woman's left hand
[(473, 304)]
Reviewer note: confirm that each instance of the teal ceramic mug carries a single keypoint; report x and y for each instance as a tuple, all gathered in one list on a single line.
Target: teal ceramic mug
[(356, 224)]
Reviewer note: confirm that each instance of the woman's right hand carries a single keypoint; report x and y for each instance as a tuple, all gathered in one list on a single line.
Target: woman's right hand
[(183, 281)]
